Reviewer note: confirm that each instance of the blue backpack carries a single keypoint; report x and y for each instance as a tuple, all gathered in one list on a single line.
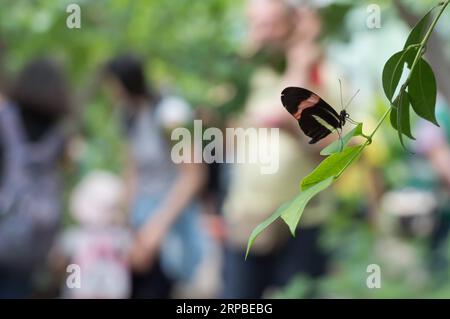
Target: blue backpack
[(29, 194)]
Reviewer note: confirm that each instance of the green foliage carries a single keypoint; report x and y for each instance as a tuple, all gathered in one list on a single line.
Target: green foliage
[(400, 119), (332, 17), (189, 45), (332, 166), (290, 212), (417, 34), (291, 215), (320, 179), (393, 71), (298, 287), (104, 148), (261, 227), (419, 90), (423, 92)]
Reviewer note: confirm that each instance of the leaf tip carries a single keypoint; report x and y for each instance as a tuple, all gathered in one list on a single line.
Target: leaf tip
[(293, 231), (247, 252)]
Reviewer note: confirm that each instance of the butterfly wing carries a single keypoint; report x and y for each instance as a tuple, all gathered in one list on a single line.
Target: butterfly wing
[(316, 117), (312, 125)]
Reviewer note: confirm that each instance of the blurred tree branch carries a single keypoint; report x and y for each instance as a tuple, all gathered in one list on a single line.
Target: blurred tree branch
[(435, 51)]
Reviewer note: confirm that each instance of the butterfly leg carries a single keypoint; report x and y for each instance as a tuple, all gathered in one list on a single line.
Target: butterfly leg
[(351, 121)]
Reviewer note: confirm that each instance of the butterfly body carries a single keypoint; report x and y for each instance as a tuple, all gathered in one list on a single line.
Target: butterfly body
[(316, 118)]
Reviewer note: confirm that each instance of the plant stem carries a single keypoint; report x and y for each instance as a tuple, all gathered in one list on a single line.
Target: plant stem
[(380, 122)]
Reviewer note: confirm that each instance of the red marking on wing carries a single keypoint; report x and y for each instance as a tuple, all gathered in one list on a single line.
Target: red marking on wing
[(309, 102), (298, 114)]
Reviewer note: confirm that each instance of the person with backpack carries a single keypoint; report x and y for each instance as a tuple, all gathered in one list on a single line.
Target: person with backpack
[(32, 142)]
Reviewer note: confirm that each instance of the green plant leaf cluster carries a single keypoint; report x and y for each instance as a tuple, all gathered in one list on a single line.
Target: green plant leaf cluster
[(419, 90)]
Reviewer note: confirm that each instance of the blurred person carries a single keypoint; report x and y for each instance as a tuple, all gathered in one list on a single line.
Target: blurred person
[(419, 204), (433, 144), (165, 213), (279, 28), (99, 243), (32, 141)]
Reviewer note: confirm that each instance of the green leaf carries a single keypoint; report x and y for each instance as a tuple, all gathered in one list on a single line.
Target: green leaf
[(423, 91), (400, 119), (336, 146), (266, 223), (418, 32), (392, 73), (331, 166), (293, 213)]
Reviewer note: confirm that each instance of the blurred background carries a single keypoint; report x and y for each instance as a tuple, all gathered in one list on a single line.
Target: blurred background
[(92, 206)]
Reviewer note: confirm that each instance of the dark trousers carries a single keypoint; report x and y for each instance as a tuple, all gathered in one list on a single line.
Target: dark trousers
[(153, 284), (249, 278), (14, 285)]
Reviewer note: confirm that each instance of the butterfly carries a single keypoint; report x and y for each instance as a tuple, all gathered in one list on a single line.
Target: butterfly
[(316, 118)]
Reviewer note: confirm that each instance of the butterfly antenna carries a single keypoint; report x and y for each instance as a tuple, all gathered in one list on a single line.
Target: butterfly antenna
[(351, 100), (340, 90)]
